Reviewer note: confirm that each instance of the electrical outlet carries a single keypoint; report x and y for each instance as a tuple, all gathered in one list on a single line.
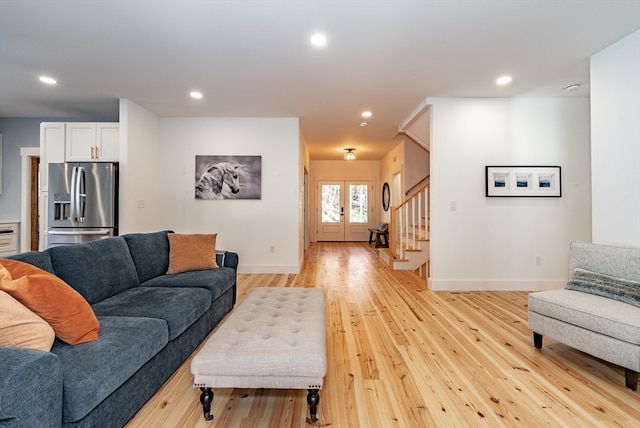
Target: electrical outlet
[(453, 205), (538, 260), (272, 249)]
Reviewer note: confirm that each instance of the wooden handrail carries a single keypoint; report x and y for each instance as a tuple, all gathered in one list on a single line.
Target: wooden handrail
[(409, 199), (415, 186)]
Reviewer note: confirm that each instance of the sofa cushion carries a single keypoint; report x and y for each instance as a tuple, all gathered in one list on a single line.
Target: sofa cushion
[(30, 388), (179, 307), (191, 252), (38, 259), (621, 262), (21, 328), (596, 313), (94, 370), (150, 253), (52, 299), (217, 281), (97, 269)]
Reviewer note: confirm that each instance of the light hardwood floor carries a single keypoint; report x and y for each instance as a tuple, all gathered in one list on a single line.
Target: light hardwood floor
[(400, 355)]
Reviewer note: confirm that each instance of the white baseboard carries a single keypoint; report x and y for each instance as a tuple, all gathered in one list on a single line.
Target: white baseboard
[(242, 268), (501, 285)]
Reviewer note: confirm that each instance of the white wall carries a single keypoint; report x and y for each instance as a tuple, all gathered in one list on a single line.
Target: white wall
[(491, 243), (393, 163), (416, 165), (157, 172), (142, 202), (615, 143), (249, 227)]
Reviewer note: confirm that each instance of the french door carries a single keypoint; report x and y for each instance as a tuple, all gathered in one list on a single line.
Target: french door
[(344, 210)]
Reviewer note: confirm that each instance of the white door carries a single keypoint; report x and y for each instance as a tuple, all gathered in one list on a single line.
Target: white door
[(344, 210)]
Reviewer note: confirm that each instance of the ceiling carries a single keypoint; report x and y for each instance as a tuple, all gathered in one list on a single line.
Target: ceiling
[(254, 59)]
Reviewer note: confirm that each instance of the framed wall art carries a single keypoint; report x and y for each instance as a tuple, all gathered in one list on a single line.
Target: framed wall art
[(523, 181), (228, 177)]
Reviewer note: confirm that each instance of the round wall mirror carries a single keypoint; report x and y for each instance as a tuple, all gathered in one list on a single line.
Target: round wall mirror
[(386, 196)]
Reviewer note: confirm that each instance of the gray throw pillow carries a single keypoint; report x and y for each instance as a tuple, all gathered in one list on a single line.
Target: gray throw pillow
[(625, 290)]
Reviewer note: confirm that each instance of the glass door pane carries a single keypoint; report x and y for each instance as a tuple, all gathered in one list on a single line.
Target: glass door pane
[(331, 211), (331, 207), (359, 207)]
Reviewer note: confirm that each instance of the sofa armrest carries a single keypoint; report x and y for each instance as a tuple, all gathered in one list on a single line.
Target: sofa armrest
[(227, 259), (30, 388)]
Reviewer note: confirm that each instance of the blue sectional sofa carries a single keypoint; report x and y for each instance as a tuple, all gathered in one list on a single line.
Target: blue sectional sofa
[(150, 322)]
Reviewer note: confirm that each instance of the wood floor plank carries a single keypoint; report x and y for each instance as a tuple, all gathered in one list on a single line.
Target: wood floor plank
[(400, 355)]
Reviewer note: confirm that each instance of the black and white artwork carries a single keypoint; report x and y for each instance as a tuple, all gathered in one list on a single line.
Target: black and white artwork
[(228, 177)]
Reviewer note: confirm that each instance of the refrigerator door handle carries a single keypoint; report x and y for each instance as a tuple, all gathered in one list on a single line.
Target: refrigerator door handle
[(82, 194), (78, 232), (73, 213)]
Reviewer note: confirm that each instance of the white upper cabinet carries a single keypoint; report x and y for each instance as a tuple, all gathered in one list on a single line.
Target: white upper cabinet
[(51, 149), (108, 141), (92, 142)]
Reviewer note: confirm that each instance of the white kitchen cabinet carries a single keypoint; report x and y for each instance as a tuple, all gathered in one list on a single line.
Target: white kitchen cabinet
[(8, 239), (108, 141), (92, 142), (52, 135)]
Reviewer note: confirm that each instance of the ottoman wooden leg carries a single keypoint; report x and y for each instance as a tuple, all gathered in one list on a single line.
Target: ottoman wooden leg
[(206, 398), (313, 398)]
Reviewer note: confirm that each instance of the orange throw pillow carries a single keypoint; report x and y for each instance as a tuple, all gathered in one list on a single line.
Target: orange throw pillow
[(191, 252), (21, 328), (48, 296)]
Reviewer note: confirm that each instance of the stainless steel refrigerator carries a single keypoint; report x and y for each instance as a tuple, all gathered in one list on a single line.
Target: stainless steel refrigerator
[(83, 202)]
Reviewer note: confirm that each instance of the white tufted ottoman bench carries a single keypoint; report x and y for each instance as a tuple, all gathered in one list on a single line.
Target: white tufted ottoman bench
[(275, 338)]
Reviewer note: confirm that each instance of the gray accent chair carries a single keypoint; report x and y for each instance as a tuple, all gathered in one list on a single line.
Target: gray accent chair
[(599, 311)]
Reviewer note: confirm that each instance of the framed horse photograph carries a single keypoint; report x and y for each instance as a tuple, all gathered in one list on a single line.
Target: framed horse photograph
[(228, 177)]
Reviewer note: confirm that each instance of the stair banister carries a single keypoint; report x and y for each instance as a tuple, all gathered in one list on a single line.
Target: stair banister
[(408, 224)]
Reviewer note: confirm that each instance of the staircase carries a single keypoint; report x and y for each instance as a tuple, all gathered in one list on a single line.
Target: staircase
[(409, 235)]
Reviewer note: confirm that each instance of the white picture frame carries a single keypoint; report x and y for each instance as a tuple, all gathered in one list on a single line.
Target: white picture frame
[(523, 181)]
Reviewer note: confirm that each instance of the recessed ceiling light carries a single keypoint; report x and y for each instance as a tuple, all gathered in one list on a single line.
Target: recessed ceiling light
[(319, 40), (366, 114), (48, 80), (195, 94), (364, 123), (503, 80)]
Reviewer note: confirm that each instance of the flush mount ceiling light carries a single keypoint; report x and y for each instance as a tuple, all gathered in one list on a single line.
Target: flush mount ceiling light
[(572, 87), (48, 80), (195, 94), (319, 40), (350, 154), (503, 80)]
